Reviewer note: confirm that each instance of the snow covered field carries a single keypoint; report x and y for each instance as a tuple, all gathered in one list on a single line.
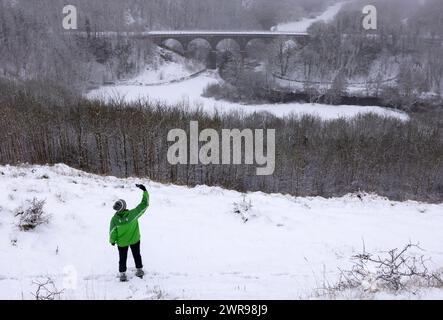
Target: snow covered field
[(189, 94), (193, 245)]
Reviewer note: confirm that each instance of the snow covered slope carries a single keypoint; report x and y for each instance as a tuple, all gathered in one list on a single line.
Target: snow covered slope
[(193, 244), (166, 66), (305, 23)]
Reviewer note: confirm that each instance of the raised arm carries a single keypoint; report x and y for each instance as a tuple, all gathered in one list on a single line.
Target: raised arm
[(141, 208)]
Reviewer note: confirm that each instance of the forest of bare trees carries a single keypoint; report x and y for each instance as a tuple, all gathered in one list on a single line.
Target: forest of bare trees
[(400, 63), (401, 160), (407, 45)]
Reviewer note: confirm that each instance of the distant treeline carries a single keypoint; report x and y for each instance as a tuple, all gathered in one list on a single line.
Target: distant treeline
[(401, 160), (254, 94)]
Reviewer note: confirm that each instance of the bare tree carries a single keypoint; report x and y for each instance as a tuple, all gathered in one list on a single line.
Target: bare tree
[(46, 290)]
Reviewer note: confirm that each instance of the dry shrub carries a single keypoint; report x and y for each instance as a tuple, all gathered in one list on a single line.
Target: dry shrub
[(32, 215)]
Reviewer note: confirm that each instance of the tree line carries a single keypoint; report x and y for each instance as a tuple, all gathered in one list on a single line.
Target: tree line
[(394, 158)]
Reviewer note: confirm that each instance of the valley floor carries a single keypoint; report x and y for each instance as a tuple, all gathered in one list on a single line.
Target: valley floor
[(188, 94)]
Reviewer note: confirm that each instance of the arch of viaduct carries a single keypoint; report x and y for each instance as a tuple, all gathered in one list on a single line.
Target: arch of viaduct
[(213, 38)]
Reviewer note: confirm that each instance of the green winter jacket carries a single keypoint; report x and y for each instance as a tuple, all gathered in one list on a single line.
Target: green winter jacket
[(124, 228)]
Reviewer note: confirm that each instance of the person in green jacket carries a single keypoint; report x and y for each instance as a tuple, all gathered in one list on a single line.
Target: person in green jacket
[(124, 231)]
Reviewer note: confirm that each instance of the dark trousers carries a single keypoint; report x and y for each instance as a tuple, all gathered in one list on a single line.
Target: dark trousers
[(123, 253)]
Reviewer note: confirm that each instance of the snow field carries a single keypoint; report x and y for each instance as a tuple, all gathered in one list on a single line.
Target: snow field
[(193, 244)]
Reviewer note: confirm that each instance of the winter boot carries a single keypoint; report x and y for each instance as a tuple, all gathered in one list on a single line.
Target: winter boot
[(123, 277), (140, 273)]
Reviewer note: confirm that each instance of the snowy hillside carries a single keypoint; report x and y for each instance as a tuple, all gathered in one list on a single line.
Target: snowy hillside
[(193, 244), (166, 66), (303, 24)]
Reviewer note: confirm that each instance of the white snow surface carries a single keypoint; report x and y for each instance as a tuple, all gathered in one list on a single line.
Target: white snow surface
[(193, 245), (163, 70), (167, 72), (303, 24), (188, 94)]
